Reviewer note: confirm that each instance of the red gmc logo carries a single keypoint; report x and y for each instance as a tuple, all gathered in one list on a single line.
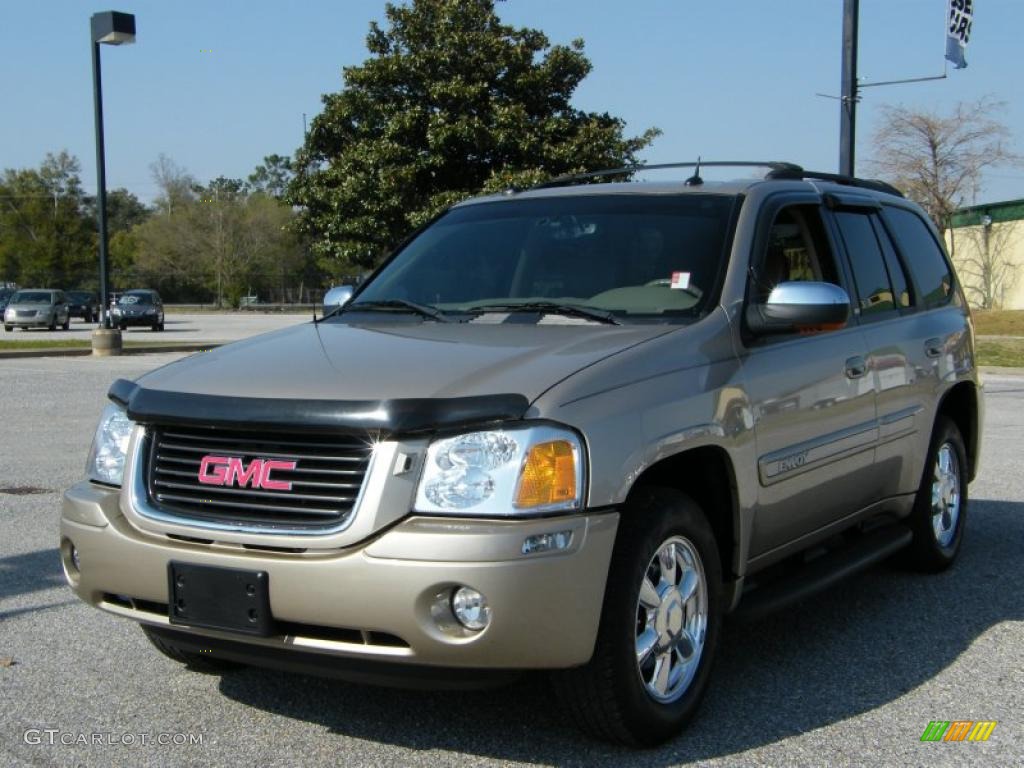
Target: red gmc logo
[(231, 470)]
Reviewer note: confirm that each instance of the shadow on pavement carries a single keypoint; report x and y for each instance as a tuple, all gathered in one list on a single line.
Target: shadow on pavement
[(31, 572), (859, 646)]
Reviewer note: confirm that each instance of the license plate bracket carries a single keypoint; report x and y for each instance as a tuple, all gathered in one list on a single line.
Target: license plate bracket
[(214, 597)]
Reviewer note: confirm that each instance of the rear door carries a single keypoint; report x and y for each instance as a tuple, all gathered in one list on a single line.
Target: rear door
[(812, 397), (884, 306), (934, 333)]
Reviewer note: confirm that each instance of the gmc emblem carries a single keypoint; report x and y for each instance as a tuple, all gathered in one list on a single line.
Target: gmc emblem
[(231, 470)]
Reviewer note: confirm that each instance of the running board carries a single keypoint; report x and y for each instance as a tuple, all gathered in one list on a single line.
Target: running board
[(821, 573)]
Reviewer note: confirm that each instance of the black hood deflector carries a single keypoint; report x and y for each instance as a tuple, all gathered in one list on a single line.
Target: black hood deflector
[(155, 406)]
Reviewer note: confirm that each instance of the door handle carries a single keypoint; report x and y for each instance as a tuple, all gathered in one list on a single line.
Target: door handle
[(856, 367), (933, 347)]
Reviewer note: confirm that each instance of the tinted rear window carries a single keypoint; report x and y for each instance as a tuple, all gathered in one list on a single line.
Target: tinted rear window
[(922, 255)]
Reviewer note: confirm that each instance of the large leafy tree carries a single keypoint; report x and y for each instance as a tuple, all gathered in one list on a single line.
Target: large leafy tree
[(450, 102), (271, 177), (219, 240), (46, 237)]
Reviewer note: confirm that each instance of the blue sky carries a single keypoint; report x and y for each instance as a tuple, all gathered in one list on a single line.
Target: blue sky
[(726, 79)]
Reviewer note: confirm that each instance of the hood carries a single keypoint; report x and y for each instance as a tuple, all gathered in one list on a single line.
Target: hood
[(390, 361)]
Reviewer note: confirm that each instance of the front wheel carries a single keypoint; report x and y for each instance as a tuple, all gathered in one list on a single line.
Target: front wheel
[(940, 509), (67, 323), (8, 328), (659, 625)]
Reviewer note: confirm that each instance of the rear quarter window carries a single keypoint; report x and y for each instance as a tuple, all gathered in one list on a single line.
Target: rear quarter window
[(922, 255)]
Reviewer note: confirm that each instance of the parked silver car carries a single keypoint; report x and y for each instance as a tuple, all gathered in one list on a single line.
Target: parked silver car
[(37, 308), (567, 428)]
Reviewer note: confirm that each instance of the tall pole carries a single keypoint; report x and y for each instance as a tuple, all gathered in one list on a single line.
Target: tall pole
[(848, 101), (101, 185)]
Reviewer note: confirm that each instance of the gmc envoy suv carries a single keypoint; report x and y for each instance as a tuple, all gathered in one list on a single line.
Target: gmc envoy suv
[(568, 428)]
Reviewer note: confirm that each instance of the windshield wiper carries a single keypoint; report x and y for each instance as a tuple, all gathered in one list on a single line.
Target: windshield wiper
[(386, 305), (553, 308)]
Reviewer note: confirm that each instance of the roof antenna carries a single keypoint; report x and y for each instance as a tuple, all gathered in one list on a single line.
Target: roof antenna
[(695, 180)]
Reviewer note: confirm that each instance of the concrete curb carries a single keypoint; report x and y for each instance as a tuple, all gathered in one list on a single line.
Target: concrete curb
[(87, 351)]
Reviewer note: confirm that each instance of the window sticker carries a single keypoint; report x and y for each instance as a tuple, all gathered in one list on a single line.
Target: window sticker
[(680, 281)]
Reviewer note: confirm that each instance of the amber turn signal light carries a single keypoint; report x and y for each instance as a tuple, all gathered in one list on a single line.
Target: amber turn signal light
[(548, 475)]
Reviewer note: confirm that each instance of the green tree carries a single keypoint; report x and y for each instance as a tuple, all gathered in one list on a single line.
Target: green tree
[(272, 176), (46, 238), (450, 102), (220, 241)]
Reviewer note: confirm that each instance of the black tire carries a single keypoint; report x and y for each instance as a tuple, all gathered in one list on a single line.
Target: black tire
[(194, 661), (9, 328), (53, 323), (67, 323), (608, 697), (939, 530), (123, 327)]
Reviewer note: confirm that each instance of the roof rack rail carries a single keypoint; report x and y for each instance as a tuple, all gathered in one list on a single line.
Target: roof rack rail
[(777, 169), (874, 184), (572, 178)]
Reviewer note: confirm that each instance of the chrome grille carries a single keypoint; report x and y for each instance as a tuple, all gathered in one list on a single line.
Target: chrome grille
[(325, 482)]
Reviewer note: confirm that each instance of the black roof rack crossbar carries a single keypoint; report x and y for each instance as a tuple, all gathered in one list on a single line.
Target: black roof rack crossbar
[(572, 178), (874, 184), (777, 169)]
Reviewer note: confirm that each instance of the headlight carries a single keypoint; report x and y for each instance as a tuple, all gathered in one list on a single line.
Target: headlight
[(110, 446), (506, 472)]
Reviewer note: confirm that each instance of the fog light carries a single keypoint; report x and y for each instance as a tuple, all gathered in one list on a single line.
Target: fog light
[(471, 609), (547, 542)]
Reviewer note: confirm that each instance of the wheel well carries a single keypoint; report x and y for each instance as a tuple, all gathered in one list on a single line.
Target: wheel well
[(961, 405), (705, 475)]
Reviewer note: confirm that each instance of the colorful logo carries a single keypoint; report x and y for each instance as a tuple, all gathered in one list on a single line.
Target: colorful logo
[(959, 730), (232, 470)]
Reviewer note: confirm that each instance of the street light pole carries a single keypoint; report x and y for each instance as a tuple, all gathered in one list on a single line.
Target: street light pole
[(111, 28), (101, 185), (848, 99)]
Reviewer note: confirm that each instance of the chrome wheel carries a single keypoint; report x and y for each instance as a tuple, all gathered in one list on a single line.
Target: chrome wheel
[(945, 495), (671, 620)]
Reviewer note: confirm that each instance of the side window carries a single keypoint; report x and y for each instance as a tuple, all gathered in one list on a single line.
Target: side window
[(797, 250), (897, 273), (874, 291), (923, 255)]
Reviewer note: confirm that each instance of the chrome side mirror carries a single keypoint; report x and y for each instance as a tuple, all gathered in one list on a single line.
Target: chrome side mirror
[(800, 306), (338, 295)]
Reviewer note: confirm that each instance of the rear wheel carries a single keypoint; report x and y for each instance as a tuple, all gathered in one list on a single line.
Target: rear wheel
[(940, 509), (659, 625), (194, 661)]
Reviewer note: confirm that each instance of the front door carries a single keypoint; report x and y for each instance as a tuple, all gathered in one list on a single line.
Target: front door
[(812, 396)]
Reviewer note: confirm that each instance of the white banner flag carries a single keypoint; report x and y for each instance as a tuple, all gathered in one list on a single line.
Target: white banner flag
[(958, 30)]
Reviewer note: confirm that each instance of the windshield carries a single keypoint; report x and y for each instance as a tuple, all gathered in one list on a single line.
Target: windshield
[(629, 255), (79, 296), (136, 298), (32, 297)]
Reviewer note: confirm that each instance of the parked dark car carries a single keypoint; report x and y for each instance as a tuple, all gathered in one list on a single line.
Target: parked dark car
[(138, 307), (84, 304)]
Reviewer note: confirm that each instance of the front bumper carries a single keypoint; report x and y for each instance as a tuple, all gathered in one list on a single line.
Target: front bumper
[(31, 322), (134, 320), (372, 601)]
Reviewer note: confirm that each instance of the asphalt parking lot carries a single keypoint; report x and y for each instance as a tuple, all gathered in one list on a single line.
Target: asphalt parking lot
[(851, 677), (200, 327)]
